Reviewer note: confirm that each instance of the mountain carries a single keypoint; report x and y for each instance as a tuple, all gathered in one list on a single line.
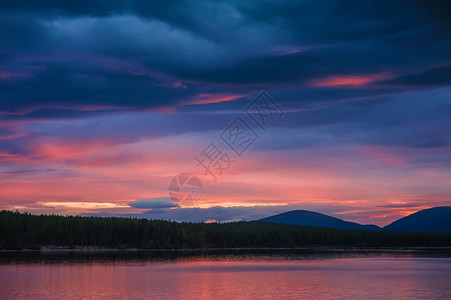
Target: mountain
[(437, 219), (310, 218)]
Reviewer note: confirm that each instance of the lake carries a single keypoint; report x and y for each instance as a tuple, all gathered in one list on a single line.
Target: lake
[(236, 275)]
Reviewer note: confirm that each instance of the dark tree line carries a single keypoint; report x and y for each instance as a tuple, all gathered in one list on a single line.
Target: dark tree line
[(23, 230)]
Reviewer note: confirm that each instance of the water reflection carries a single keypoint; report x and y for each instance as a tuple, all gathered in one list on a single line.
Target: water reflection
[(230, 274), (120, 257)]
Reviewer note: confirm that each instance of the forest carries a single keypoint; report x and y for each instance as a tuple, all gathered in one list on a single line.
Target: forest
[(27, 231)]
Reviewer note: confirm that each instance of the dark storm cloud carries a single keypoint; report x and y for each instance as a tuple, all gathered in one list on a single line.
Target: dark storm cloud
[(313, 18), (135, 55)]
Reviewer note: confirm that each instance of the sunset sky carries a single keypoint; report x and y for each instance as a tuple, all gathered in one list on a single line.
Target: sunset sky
[(102, 103)]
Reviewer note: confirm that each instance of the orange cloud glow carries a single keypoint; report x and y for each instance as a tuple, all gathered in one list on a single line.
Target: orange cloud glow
[(212, 98), (352, 80)]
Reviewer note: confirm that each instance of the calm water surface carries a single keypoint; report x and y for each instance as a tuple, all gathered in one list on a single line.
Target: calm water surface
[(226, 276)]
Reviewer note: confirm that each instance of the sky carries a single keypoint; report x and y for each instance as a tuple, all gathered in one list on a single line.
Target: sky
[(104, 103)]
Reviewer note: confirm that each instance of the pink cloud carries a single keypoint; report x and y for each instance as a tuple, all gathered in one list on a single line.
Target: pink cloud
[(213, 98), (348, 80), (110, 171)]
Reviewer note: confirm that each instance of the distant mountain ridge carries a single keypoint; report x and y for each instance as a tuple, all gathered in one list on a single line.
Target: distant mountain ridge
[(437, 219), (310, 218)]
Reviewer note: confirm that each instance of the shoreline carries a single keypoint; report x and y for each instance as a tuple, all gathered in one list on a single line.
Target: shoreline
[(48, 250)]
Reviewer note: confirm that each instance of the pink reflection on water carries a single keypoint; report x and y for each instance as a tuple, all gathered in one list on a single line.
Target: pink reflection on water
[(357, 278)]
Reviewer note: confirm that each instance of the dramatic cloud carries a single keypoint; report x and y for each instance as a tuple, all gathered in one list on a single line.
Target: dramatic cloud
[(106, 101), (141, 55)]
